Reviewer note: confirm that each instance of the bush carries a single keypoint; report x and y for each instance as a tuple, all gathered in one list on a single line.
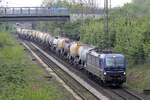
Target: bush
[(11, 60)]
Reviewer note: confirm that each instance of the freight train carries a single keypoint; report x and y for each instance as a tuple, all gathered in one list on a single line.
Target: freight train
[(104, 65)]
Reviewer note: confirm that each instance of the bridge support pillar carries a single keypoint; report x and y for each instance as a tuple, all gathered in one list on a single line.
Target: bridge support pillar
[(62, 29), (33, 25)]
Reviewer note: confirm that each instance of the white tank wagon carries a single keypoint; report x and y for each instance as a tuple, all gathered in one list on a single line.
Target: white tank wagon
[(67, 44), (61, 42), (55, 42), (74, 48), (46, 38), (24, 33), (59, 45), (74, 51), (39, 37), (29, 34), (83, 50), (36, 35), (33, 35), (51, 40), (66, 49), (19, 32), (43, 38)]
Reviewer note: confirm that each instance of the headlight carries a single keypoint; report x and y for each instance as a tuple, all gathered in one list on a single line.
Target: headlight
[(124, 73), (105, 73)]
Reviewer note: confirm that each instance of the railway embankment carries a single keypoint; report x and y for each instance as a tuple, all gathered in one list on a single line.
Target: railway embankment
[(138, 77), (22, 78)]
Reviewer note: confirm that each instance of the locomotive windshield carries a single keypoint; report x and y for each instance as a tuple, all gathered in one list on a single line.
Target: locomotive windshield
[(114, 62)]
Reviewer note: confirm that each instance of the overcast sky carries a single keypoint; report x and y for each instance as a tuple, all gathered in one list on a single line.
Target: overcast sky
[(29, 3)]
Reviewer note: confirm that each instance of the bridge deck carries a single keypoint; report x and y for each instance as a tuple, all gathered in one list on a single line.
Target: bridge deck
[(33, 13), (42, 13)]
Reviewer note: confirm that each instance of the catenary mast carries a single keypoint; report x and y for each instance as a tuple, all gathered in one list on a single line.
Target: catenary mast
[(106, 28)]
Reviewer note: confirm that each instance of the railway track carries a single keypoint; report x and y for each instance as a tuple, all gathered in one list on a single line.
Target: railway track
[(125, 94), (84, 93), (113, 94), (52, 66)]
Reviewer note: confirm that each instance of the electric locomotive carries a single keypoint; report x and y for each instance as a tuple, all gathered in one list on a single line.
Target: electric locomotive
[(109, 67)]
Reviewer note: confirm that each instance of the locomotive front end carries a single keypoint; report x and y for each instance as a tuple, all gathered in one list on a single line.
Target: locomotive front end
[(115, 69)]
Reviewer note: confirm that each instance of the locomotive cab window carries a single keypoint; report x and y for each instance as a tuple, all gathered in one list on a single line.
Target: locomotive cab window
[(114, 62)]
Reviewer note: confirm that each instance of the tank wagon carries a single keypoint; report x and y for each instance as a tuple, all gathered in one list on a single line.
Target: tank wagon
[(55, 43), (83, 50), (61, 45), (47, 38), (51, 41), (74, 51), (107, 66)]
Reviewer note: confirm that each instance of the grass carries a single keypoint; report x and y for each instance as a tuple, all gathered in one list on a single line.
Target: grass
[(21, 79), (138, 77), (36, 77)]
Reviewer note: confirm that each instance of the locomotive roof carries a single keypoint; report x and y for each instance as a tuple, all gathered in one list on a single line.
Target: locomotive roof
[(104, 52), (105, 55)]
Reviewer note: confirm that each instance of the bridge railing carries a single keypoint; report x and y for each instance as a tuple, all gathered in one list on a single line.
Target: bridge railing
[(34, 11)]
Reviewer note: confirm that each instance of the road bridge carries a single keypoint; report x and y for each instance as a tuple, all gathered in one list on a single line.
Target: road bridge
[(8, 14)]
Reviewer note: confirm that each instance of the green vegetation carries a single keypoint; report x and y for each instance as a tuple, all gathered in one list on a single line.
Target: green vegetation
[(60, 3), (21, 79), (138, 77), (73, 5)]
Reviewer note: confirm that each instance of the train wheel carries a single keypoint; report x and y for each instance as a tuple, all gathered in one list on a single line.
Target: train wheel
[(119, 85), (102, 83)]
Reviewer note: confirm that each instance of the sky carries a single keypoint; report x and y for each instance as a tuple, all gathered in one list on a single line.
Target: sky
[(119, 3), (33, 3)]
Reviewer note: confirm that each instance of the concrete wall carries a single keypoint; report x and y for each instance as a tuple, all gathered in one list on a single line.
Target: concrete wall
[(74, 17)]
